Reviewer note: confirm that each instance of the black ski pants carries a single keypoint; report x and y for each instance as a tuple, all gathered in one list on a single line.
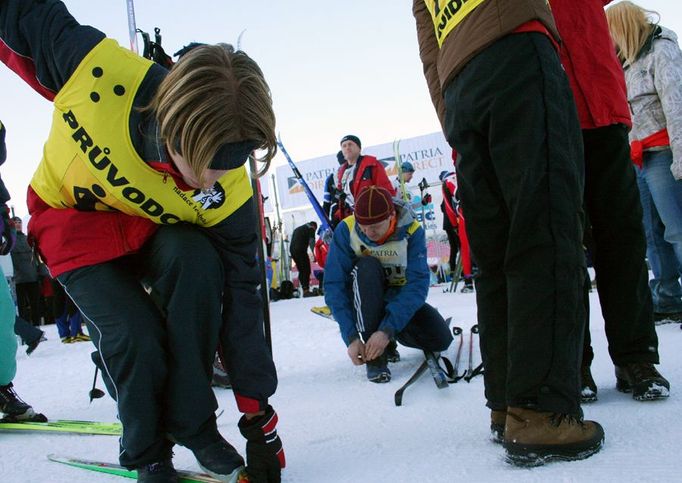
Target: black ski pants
[(303, 264), (28, 301), (156, 348), (511, 116), (615, 213), (426, 330)]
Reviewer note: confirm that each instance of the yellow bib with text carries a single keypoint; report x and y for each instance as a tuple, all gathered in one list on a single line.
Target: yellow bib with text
[(89, 162), (392, 255), (447, 14)]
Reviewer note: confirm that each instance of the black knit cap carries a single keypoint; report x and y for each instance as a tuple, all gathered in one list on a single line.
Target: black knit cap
[(351, 137)]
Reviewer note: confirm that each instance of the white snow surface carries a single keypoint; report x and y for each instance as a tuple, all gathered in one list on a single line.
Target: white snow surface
[(338, 427)]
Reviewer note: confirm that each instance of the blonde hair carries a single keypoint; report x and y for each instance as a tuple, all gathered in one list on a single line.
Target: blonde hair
[(630, 27), (212, 96)]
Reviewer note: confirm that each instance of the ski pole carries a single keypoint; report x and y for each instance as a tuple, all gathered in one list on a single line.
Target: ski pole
[(95, 393), (132, 26), (470, 370), (457, 331)]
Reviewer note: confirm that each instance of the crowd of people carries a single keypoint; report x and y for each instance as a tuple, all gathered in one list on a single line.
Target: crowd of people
[(565, 120)]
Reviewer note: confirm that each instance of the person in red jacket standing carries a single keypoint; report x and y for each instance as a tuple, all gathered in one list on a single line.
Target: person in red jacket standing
[(611, 200), (358, 172)]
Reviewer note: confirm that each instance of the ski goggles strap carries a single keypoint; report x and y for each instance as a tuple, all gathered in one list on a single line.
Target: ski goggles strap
[(229, 155)]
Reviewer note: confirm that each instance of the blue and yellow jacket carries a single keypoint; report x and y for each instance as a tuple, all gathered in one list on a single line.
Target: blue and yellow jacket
[(406, 268)]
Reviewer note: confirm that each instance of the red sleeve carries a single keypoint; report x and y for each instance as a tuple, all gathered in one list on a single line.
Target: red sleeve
[(42, 43), (381, 178)]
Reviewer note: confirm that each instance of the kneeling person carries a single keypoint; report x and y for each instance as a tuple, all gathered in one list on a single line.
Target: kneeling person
[(376, 282)]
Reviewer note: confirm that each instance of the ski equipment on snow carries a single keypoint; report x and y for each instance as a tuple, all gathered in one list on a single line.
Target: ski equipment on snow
[(117, 470), (471, 371), (323, 311), (398, 397), (457, 332), (95, 392), (64, 426), (442, 377)]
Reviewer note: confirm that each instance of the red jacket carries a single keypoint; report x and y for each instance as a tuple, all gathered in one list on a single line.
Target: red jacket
[(369, 172), (321, 250), (589, 57)]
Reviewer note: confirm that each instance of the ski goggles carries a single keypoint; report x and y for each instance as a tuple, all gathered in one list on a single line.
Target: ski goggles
[(229, 155)]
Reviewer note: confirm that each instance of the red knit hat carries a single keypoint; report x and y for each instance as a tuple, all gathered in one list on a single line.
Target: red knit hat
[(373, 204)]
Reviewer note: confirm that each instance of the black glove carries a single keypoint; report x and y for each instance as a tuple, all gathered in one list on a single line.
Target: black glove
[(9, 232), (426, 199), (264, 452)]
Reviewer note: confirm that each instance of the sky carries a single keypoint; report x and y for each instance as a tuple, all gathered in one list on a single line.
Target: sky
[(334, 68)]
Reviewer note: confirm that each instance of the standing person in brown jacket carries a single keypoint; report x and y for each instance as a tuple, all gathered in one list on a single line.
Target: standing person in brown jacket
[(506, 106)]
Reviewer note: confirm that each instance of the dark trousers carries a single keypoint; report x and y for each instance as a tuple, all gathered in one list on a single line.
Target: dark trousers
[(453, 241), (511, 116), (619, 251), (28, 301), (156, 350), (28, 333), (303, 264), (426, 329)]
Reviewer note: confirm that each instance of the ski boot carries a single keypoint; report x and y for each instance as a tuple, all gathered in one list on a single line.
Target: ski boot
[(377, 370), (15, 409), (497, 422), (159, 472), (220, 460), (220, 377), (391, 352), (642, 380), (588, 388)]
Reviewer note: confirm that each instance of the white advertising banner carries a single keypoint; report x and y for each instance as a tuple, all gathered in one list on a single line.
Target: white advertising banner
[(429, 154)]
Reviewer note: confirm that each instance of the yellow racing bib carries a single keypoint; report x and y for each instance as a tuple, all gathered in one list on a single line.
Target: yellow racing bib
[(392, 255), (447, 14), (89, 162)]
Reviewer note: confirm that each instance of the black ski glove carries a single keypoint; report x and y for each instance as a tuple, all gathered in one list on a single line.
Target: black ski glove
[(9, 232), (264, 452)]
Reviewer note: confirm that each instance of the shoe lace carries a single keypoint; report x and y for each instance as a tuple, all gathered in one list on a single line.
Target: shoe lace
[(8, 394), (556, 419)]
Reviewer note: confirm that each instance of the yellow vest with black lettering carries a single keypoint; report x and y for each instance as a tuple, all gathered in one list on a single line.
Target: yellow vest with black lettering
[(447, 15), (89, 162), (392, 255)]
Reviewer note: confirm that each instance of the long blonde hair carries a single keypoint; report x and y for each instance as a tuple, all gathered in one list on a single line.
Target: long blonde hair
[(212, 96), (630, 26)]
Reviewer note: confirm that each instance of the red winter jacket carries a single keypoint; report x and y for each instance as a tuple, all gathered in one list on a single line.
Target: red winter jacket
[(321, 250), (589, 57), (369, 172)]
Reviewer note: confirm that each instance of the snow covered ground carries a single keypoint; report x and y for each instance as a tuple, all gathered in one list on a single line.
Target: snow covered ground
[(337, 427)]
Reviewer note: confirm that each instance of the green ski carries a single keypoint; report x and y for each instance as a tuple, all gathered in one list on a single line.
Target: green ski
[(117, 470), (65, 426)]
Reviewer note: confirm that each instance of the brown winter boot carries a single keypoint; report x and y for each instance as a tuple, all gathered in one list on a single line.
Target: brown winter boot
[(533, 438), (497, 422)]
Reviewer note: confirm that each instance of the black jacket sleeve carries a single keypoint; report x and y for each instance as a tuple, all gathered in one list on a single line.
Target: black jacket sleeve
[(43, 43), (4, 194)]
